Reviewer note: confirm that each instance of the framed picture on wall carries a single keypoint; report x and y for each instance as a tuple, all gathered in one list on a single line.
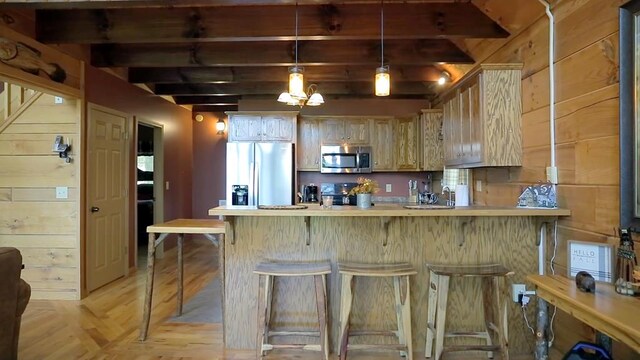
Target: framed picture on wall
[(594, 258)]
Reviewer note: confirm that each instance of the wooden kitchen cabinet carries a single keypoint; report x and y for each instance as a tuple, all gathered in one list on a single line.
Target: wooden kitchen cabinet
[(406, 143), (344, 131), (262, 126), (431, 135), (308, 146), (482, 118), (382, 144)]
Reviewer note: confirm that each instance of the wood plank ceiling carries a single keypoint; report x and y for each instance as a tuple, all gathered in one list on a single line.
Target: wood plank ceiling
[(211, 54)]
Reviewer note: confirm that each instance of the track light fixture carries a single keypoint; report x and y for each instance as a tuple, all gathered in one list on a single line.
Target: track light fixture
[(445, 77)]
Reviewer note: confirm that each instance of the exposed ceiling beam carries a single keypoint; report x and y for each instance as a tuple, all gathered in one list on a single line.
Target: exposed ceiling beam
[(207, 100), (214, 108), (361, 52), (274, 88), (249, 74), (265, 23)]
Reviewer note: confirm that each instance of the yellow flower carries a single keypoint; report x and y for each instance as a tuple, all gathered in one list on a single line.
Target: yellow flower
[(365, 186)]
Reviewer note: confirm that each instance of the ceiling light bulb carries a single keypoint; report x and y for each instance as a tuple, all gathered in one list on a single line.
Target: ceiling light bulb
[(220, 126), (441, 80), (444, 77), (199, 117), (296, 83), (383, 81)]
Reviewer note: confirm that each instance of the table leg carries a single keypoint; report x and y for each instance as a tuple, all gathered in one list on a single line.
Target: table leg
[(604, 341), (180, 273), (151, 256), (542, 328)]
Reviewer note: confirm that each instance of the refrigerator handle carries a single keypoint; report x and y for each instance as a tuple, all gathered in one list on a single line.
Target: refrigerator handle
[(256, 184), (252, 187)]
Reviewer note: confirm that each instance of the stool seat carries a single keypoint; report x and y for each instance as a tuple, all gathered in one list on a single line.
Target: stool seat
[(267, 272), (361, 269), (400, 273), (470, 270), (293, 268), (494, 305)]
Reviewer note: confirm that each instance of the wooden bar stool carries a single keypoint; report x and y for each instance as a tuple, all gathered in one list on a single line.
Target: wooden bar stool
[(267, 271), (400, 273), (494, 299)]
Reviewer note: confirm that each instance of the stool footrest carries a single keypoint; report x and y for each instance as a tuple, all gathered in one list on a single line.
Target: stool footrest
[(312, 347), (471, 348), (397, 347), (472, 334), (373, 332), (294, 333)]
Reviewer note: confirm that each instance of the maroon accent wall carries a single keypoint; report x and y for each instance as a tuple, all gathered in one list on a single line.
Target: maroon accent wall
[(109, 91), (209, 165)]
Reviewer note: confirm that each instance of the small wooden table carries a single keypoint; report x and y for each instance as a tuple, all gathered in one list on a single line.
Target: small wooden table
[(614, 315), (206, 227)]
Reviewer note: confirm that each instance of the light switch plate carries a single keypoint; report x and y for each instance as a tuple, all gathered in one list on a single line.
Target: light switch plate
[(387, 188), (57, 100), (478, 185), (166, 185), (62, 192)]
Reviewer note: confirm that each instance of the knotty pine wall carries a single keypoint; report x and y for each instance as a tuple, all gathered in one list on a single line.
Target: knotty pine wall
[(586, 65), (44, 229)]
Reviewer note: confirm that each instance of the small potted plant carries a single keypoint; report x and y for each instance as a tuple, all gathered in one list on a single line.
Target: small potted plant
[(363, 190)]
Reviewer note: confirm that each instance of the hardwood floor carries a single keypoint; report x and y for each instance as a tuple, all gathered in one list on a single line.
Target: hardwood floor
[(105, 325)]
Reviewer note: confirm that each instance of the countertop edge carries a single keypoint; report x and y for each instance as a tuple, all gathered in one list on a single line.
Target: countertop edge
[(389, 210)]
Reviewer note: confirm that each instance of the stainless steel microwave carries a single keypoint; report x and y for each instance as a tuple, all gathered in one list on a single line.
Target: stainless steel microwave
[(345, 159)]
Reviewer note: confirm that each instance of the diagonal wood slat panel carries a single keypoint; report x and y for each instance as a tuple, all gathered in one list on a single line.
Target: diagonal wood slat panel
[(275, 88), (203, 74), (267, 23), (269, 53)]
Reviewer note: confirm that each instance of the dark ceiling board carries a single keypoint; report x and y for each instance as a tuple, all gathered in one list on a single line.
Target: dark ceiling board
[(361, 52), (275, 88), (249, 74), (206, 100), (264, 23), (213, 108)]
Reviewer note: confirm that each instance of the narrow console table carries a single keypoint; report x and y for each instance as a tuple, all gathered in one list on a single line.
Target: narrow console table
[(611, 314), (205, 227)]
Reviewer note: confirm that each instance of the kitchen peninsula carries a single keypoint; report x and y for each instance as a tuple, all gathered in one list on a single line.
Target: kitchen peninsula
[(384, 233)]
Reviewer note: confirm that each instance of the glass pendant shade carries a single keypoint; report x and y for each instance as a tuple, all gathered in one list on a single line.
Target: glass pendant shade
[(315, 99), (383, 81), (285, 97), (296, 84)]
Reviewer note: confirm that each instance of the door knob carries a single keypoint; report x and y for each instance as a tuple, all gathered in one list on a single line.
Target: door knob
[(95, 209)]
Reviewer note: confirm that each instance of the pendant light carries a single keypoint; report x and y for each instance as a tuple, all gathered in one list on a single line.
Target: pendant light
[(297, 94), (382, 79)]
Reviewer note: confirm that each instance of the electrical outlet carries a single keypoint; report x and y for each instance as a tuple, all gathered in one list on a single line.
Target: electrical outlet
[(57, 100), (517, 289), (166, 185), (388, 188)]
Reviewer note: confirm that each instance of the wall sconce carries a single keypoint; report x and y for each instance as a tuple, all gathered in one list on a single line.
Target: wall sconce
[(220, 127), (445, 77), (62, 149), (198, 117)]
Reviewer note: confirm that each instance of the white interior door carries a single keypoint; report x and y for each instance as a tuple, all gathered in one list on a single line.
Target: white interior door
[(107, 224)]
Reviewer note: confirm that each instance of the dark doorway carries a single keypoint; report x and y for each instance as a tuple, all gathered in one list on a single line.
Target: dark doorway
[(146, 200)]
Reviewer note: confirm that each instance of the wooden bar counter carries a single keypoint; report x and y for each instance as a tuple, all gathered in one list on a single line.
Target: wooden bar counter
[(381, 234)]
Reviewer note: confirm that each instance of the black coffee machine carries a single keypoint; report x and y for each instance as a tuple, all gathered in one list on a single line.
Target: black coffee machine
[(310, 193), (240, 195)]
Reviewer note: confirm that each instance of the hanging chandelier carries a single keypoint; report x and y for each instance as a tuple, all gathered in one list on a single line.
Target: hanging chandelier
[(382, 79), (297, 94)]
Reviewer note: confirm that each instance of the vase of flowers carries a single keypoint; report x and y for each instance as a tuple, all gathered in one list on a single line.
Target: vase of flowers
[(363, 192)]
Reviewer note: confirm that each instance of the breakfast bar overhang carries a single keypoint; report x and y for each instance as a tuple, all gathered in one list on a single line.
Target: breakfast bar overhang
[(382, 234)]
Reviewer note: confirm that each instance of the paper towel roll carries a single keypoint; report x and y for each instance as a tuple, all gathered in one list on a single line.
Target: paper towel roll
[(462, 195)]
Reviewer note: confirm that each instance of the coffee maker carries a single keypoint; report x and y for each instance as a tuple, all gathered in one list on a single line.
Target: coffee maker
[(310, 193), (240, 195)]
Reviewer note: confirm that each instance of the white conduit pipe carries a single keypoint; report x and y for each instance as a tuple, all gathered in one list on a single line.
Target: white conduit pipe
[(552, 127)]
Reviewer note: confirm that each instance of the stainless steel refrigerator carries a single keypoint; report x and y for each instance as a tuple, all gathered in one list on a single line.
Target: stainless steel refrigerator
[(260, 173)]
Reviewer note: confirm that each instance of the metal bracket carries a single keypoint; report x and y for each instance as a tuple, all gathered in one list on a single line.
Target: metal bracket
[(307, 224), (464, 222), (385, 220)]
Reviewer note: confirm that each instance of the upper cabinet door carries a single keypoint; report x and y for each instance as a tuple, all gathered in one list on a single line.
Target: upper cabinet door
[(245, 127), (382, 144), (407, 143), (278, 128), (432, 158), (356, 131), (308, 148), (332, 131)]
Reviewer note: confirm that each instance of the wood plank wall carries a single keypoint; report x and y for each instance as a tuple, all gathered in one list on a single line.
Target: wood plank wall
[(44, 229), (587, 100)]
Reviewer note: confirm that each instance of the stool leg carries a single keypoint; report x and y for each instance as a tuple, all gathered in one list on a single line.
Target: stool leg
[(403, 313), (180, 273), (431, 312), (268, 291), (441, 315), (488, 297), (345, 311), (262, 313), (503, 323), (151, 257), (321, 303)]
